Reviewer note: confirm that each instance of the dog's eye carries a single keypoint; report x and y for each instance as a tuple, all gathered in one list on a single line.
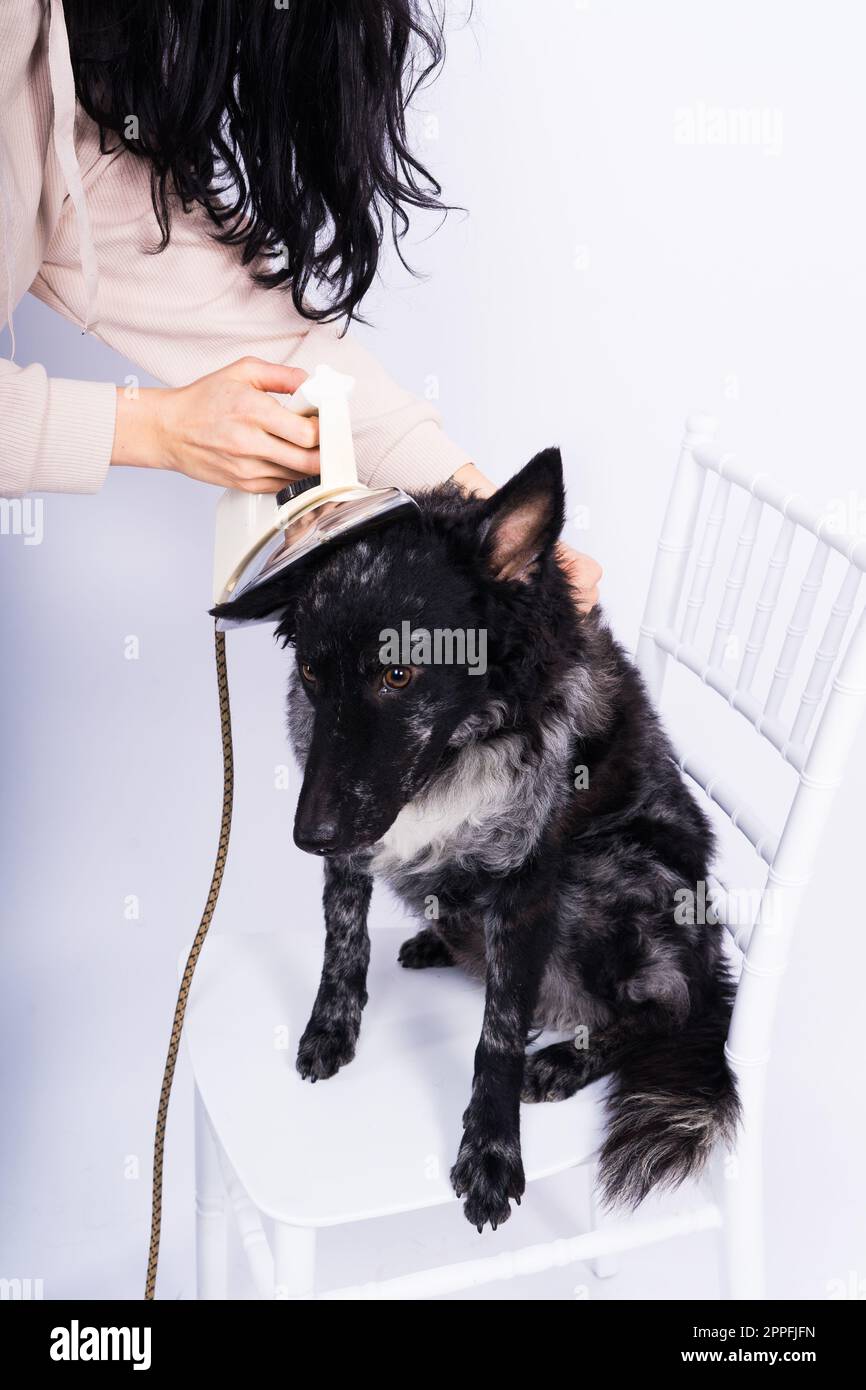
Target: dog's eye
[(397, 677), (307, 672)]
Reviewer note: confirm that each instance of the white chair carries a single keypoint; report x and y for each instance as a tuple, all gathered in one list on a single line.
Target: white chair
[(815, 742), (380, 1137)]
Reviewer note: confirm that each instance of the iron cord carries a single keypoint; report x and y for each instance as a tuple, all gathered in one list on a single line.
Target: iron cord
[(192, 959)]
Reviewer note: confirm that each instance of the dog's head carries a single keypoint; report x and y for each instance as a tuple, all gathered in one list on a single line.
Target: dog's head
[(400, 637)]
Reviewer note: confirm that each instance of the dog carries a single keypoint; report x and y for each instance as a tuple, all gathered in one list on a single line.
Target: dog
[(537, 804)]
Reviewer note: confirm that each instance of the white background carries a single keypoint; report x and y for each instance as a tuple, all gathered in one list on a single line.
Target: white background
[(608, 278)]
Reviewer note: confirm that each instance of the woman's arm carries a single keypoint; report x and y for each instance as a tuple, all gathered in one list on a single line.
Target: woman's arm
[(186, 314), (193, 310), (55, 435)]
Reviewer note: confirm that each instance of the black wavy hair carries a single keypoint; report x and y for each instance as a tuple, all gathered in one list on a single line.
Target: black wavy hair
[(285, 122)]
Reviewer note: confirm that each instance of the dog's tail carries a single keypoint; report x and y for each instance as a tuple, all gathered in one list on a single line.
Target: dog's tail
[(670, 1102)]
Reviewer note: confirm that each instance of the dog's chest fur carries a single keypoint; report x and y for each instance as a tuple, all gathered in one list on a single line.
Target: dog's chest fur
[(485, 811), (485, 817)]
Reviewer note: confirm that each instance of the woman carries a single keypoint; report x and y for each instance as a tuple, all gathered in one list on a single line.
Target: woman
[(258, 146)]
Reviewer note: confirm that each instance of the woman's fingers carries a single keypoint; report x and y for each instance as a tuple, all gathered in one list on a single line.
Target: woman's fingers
[(253, 475), (276, 454), (275, 419), (583, 574), (587, 600), (268, 376), (268, 483)]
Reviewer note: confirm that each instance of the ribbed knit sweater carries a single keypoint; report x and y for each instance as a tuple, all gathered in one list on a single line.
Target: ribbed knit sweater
[(77, 229)]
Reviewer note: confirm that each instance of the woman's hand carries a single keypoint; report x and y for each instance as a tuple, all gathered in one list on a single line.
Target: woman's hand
[(223, 429), (583, 573)]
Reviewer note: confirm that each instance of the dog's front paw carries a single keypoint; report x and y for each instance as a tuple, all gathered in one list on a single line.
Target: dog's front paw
[(324, 1048), (489, 1172)]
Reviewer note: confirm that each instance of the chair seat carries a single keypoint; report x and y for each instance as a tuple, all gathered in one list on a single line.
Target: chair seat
[(379, 1137)]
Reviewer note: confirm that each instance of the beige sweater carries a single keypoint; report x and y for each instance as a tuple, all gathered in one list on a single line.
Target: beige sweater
[(76, 228)]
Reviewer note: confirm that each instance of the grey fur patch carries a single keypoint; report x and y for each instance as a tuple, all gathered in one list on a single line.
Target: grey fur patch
[(491, 805)]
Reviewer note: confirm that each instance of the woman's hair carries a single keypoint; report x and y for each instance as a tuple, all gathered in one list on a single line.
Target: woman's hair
[(285, 121)]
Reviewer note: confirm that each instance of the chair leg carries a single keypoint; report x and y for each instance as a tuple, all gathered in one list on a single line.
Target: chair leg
[(603, 1266), (252, 1237), (742, 1228), (211, 1252), (294, 1261), (739, 1190)]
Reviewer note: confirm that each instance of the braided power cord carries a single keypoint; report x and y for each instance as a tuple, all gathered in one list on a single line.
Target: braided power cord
[(195, 951)]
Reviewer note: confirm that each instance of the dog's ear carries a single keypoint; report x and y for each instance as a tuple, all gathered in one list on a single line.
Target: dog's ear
[(522, 521), (275, 601)]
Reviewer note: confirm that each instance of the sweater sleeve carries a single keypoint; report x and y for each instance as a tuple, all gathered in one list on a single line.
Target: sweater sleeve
[(194, 307), (55, 435)]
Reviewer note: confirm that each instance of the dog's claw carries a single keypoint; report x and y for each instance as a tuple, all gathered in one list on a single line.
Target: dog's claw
[(487, 1173)]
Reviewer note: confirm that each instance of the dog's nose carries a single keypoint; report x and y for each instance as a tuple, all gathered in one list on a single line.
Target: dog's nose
[(319, 838)]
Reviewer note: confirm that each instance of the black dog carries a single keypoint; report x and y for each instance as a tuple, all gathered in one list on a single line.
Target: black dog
[(536, 803)]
